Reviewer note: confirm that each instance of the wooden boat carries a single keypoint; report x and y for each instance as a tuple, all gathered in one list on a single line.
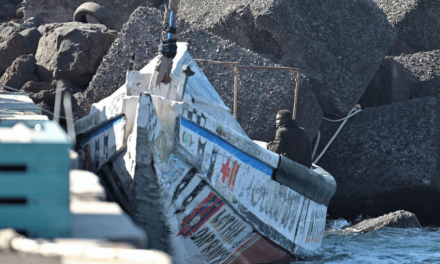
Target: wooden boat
[(177, 161)]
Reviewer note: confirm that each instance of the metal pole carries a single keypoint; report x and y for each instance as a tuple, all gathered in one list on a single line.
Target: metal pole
[(57, 107), (235, 89), (295, 102), (235, 68), (227, 63)]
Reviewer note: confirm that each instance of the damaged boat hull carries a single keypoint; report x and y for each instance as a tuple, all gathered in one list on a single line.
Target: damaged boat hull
[(178, 162)]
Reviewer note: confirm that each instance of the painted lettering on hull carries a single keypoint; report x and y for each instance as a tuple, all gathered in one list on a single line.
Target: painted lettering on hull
[(246, 184), (229, 173), (212, 226), (200, 215), (98, 148)]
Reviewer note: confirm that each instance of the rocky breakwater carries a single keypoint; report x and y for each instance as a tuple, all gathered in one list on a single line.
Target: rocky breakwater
[(338, 45), (261, 93), (11, 10), (16, 40), (35, 58), (416, 23), (72, 51), (404, 77), (385, 159), (398, 219), (54, 11)]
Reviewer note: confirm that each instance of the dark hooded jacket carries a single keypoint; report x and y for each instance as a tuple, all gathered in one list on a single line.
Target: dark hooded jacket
[(292, 141)]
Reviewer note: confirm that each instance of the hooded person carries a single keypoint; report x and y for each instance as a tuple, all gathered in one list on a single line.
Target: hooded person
[(291, 140)]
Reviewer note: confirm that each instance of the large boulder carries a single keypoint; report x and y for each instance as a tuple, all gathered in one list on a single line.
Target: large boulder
[(16, 41), (7, 11), (112, 71), (40, 91), (43, 94), (16, 2), (4, 3), (72, 51), (416, 22), (338, 45), (261, 93), (392, 83), (425, 66), (403, 77), (386, 159), (21, 71), (398, 219), (7, 29), (30, 23), (55, 11)]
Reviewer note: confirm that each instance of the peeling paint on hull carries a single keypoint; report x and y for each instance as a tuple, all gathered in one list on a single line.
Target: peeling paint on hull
[(185, 171)]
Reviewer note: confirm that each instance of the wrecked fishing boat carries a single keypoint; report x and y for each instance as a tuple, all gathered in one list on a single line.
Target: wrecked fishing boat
[(178, 162), (173, 156)]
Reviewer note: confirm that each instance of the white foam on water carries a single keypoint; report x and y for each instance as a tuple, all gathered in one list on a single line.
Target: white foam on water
[(388, 245), (337, 224)]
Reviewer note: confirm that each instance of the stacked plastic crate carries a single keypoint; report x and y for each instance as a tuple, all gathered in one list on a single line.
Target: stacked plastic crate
[(34, 179)]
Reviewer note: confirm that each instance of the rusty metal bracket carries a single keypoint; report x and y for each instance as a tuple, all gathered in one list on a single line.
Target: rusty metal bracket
[(235, 66)]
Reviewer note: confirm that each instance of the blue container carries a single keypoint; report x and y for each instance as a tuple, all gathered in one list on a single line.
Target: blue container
[(34, 179)]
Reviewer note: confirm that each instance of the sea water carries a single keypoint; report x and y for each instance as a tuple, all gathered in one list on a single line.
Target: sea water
[(387, 245)]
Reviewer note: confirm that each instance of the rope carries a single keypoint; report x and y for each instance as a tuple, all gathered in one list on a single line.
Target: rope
[(7, 87), (28, 109), (357, 109), (316, 145), (33, 109)]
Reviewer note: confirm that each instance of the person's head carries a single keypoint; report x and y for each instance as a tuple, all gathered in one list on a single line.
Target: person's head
[(283, 116)]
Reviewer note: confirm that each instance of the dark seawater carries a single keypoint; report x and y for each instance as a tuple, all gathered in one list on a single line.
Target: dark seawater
[(388, 245)]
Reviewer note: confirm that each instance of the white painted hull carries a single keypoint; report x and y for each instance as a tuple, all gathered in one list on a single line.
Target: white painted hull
[(182, 167)]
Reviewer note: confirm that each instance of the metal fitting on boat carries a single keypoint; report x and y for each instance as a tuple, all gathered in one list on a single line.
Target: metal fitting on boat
[(129, 85), (186, 72)]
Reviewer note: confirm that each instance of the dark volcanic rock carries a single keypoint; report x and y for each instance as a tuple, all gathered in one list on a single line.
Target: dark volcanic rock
[(403, 77), (7, 29), (35, 87), (20, 12), (338, 45), (309, 114), (417, 24), (386, 159), (72, 51), (399, 219), (30, 23), (16, 41), (21, 71), (54, 11), (426, 67), (40, 92), (4, 2), (392, 83), (16, 2), (112, 71), (7, 12), (261, 92), (43, 94)]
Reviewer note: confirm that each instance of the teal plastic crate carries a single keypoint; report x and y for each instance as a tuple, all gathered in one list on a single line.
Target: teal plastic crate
[(34, 179)]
